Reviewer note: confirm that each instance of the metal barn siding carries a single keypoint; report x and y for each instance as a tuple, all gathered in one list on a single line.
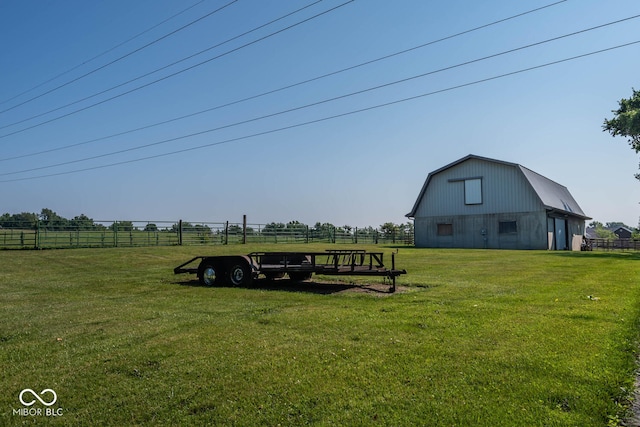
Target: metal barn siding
[(504, 189), (516, 209), (482, 231)]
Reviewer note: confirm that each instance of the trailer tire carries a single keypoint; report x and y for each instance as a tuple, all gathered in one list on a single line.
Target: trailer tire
[(239, 273), (299, 276), (209, 274)]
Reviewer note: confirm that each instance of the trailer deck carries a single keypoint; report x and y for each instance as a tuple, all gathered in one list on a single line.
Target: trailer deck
[(241, 270)]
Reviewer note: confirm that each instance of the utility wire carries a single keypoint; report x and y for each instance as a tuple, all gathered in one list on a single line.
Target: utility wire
[(171, 75), (121, 57), (254, 119), (159, 69), (103, 53), (288, 86), (323, 119)]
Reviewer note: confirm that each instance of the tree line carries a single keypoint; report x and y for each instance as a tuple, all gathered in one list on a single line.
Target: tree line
[(328, 230), (49, 220)]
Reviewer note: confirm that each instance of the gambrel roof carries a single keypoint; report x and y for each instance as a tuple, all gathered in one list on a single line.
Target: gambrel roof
[(553, 196)]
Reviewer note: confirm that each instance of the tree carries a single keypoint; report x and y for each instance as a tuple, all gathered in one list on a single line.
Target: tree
[(234, 229), (296, 227), (409, 229), (122, 226), (82, 222), (367, 231), (5, 220), (52, 221), (603, 233), (323, 231), (25, 220), (626, 121), (273, 229), (151, 227), (388, 230)]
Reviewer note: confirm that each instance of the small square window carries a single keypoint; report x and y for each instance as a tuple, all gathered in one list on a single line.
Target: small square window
[(445, 229), (505, 227)]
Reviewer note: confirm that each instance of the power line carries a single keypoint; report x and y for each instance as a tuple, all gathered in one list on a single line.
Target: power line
[(288, 86), (170, 75), (386, 104), (333, 98), (313, 104), (162, 68), (121, 57), (102, 54)]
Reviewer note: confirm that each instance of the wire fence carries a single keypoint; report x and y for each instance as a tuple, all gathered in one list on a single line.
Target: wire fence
[(109, 234)]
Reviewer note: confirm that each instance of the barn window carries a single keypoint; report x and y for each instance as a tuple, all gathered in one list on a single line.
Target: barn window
[(445, 229), (473, 191), (506, 227)]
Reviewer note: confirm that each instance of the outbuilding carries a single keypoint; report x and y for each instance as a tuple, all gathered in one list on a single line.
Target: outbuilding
[(478, 202), (623, 233)]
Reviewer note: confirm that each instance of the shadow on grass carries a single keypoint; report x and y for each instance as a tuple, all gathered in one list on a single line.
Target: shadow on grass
[(621, 254), (320, 288)]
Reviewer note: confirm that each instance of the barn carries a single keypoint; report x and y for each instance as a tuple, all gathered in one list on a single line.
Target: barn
[(477, 202)]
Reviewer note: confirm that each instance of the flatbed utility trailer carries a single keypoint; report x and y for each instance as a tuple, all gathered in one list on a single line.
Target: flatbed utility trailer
[(241, 270)]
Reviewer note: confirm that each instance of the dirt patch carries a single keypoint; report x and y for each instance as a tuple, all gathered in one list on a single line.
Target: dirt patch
[(379, 289), (634, 419), (327, 288)]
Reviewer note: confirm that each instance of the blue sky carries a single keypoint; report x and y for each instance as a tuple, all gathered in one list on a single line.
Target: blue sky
[(359, 168)]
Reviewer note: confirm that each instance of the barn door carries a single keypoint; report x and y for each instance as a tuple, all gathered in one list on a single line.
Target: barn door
[(561, 234)]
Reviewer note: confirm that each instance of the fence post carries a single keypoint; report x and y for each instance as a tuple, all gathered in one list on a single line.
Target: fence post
[(37, 242), (180, 232), (226, 233), (115, 234), (306, 234), (244, 229), (356, 235)]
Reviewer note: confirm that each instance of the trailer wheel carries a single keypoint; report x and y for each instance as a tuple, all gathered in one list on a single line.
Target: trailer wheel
[(208, 274), (299, 276), (239, 274)]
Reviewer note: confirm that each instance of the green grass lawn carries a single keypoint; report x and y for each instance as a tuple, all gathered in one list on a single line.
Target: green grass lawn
[(472, 338)]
